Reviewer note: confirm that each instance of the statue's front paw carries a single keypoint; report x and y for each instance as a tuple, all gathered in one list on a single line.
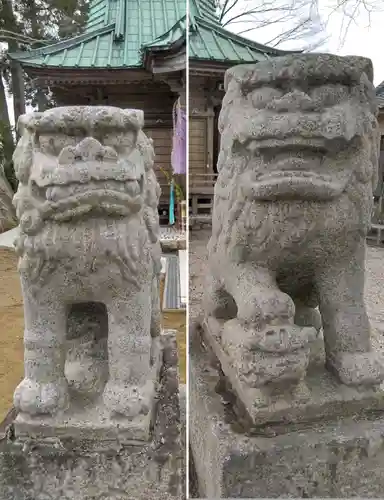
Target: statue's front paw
[(279, 339), (283, 338), (277, 354), (129, 401), (41, 398), (360, 368)]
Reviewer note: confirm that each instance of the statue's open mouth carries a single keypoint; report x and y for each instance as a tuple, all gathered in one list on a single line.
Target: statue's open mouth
[(297, 167), (293, 185), (63, 201), (94, 189), (273, 144)]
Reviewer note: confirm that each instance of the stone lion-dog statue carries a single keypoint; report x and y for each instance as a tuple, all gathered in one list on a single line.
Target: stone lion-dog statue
[(87, 205), (293, 201)]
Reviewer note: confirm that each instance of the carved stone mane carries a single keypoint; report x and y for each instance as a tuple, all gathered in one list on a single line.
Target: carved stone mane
[(53, 191), (89, 262), (310, 101), (293, 202)]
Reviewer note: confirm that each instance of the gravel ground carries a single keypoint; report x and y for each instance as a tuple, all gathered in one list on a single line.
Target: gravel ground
[(374, 284)]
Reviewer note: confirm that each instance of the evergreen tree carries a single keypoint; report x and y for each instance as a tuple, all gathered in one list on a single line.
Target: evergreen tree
[(26, 24)]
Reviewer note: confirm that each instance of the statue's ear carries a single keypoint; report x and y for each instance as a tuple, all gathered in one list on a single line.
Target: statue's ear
[(361, 65), (134, 118), (22, 123), (28, 120)]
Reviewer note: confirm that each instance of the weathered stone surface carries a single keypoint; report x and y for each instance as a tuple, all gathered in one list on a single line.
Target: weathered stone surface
[(89, 263), (87, 417), (293, 201), (81, 469), (340, 458), (284, 385), (173, 245), (318, 398)]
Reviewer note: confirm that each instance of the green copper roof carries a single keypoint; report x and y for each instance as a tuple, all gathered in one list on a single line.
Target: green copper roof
[(203, 9), (176, 34), (116, 34), (119, 32), (209, 42)]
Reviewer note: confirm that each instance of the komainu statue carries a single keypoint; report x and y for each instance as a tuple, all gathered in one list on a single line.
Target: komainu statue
[(293, 201), (89, 258)]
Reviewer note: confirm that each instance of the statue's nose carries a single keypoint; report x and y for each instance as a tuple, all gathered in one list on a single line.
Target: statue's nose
[(292, 101), (89, 149)]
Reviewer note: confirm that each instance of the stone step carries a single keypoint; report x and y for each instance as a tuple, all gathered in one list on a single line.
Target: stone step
[(174, 296), (183, 277), (7, 239)]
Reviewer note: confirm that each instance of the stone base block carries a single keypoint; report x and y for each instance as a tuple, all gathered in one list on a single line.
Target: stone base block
[(339, 458), (84, 468), (91, 419), (173, 244), (319, 396)]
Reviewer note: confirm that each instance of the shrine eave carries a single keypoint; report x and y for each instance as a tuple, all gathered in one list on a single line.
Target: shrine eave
[(209, 42), (94, 77), (101, 50), (173, 38)]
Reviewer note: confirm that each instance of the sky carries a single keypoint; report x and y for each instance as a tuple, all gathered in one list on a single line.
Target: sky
[(364, 36), (362, 40)]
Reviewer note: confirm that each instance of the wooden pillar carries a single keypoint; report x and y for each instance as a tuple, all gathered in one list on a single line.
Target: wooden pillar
[(42, 102), (41, 94), (178, 86), (18, 88), (210, 135)]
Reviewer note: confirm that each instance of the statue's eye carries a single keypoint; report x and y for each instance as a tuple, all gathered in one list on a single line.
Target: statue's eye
[(262, 96), (54, 144), (47, 144), (329, 95), (122, 142)]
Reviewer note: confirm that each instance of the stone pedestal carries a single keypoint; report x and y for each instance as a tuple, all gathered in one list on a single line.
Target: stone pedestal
[(100, 461), (329, 443), (88, 418)]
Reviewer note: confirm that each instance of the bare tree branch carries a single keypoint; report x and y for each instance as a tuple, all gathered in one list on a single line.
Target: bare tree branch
[(290, 19), (295, 20), (6, 35)]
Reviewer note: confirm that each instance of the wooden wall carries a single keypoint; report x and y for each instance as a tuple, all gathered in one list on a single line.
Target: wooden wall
[(198, 145), (162, 142), (204, 99), (381, 121), (155, 99)]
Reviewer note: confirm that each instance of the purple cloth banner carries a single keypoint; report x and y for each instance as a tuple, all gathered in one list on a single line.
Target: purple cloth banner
[(179, 142)]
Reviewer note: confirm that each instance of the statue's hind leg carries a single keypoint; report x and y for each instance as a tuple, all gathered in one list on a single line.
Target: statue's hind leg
[(156, 308), (306, 312), (217, 301), (44, 388), (86, 367), (307, 316), (156, 323)]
